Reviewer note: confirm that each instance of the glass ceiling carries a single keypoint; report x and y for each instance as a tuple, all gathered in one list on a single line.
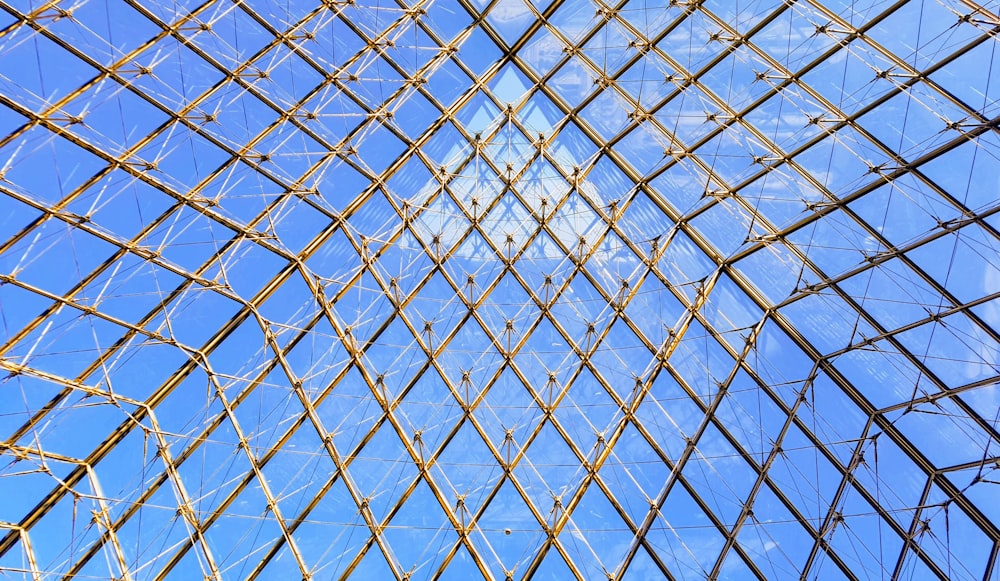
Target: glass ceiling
[(502, 289)]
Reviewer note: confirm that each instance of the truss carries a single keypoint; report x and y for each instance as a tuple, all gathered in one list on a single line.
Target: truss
[(500, 288)]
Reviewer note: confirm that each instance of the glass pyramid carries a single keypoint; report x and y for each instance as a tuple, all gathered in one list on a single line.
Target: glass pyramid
[(504, 289)]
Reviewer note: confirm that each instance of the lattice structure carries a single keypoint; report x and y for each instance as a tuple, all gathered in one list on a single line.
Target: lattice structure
[(686, 290)]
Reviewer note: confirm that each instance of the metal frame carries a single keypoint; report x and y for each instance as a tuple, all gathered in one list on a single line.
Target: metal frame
[(430, 344)]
